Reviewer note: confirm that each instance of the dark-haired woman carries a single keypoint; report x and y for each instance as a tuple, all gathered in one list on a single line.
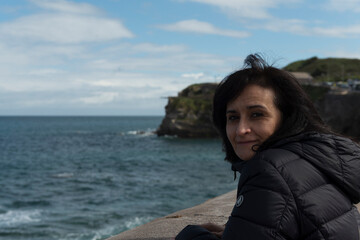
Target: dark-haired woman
[(298, 179)]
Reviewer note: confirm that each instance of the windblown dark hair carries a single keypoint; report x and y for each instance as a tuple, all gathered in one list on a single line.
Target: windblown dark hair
[(298, 112)]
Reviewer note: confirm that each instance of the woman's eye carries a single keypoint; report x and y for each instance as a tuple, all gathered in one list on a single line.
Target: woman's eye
[(256, 115), (232, 118)]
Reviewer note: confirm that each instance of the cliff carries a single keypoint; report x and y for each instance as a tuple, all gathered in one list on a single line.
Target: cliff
[(189, 114), (340, 110)]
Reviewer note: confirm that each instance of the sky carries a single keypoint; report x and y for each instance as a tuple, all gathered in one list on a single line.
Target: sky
[(125, 57)]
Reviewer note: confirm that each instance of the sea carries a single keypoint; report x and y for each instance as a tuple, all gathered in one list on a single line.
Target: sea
[(94, 177)]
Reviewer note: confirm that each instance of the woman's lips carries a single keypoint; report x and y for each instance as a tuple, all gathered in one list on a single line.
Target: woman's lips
[(246, 142)]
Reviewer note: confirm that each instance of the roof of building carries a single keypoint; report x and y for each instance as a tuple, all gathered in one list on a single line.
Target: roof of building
[(302, 75)]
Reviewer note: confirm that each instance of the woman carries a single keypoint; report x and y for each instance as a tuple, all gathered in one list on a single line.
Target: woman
[(298, 180)]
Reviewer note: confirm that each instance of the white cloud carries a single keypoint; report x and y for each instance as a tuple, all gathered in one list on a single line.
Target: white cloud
[(343, 53), (256, 15), (193, 75), (45, 63), (123, 81), (115, 67), (294, 26), (25, 83), (174, 62), (66, 6), (260, 18), (299, 27), (339, 32), (153, 48), (64, 28), (45, 72), (196, 26), (302, 27), (100, 98), (39, 102), (250, 9), (145, 49), (343, 5)]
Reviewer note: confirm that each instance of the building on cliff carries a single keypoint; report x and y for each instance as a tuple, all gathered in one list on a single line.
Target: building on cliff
[(303, 77)]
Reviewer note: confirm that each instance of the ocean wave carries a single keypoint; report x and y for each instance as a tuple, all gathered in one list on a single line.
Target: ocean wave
[(17, 217), (93, 235), (63, 175), (108, 231), (145, 133), (136, 221)]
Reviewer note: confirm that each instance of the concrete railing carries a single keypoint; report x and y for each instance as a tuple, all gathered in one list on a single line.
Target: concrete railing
[(216, 210)]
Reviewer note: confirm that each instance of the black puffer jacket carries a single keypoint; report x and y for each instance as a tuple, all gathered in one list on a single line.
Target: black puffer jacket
[(304, 187)]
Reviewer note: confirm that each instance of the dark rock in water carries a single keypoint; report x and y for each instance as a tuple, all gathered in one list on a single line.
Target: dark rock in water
[(189, 114)]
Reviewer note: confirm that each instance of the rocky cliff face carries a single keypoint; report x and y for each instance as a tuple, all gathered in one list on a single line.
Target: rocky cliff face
[(189, 114), (341, 111)]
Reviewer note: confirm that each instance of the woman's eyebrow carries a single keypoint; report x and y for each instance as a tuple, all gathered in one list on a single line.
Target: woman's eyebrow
[(256, 106), (230, 111)]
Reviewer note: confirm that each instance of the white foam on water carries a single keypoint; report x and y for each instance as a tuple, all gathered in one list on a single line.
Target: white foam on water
[(63, 175), (17, 217), (93, 235), (132, 132), (149, 132), (143, 133), (103, 232), (136, 221), (107, 231)]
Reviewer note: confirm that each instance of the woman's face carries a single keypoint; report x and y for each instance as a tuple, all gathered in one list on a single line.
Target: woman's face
[(251, 119)]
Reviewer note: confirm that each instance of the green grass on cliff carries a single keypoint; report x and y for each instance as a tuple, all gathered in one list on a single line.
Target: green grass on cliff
[(188, 104), (199, 90), (328, 69)]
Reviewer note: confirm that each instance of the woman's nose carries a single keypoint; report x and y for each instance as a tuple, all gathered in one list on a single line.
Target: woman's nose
[(243, 128)]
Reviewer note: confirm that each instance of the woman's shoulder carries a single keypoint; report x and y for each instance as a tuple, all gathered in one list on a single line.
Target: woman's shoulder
[(271, 164), (308, 164)]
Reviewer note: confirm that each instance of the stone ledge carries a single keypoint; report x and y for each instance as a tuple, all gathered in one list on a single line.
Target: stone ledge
[(216, 210)]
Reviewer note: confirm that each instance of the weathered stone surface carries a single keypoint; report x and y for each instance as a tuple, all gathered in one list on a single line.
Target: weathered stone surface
[(216, 210)]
